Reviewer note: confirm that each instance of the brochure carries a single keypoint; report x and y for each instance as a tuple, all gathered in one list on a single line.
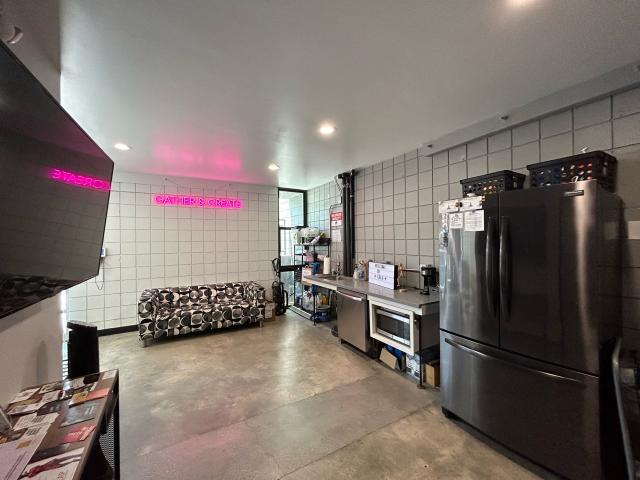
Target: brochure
[(85, 396), (78, 398), (24, 395), (78, 433), (50, 408), (100, 393), (33, 419), (51, 452), (15, 455), (10, 436), (49, 387), (51, 396), (14, 435), (81, 413), (58, 467), (25, 408), (75, 383), (37, 430)]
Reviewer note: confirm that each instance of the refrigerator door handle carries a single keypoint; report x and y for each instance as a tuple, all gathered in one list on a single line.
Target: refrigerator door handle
[(489, 267), (485, 356), (504, 266), (626, 440)]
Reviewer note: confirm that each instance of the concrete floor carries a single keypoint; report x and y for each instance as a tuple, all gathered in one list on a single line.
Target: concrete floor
[(285, 401)]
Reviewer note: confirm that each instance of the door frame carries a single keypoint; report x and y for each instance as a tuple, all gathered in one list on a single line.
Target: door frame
[(293, 267)]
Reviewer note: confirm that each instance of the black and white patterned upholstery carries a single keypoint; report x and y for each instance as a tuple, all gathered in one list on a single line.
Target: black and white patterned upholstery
[(17, 292), (165, 312)]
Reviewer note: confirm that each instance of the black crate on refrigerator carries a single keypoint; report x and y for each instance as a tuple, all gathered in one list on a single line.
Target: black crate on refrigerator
[(586, 166), (492, 183)]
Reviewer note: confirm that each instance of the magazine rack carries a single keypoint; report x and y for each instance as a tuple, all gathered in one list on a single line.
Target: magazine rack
[(100, 455)]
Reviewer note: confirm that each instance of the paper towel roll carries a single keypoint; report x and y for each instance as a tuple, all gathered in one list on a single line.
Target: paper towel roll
[(326, 266)]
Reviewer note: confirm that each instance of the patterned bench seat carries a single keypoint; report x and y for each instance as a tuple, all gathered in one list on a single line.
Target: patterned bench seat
[(166, 312)]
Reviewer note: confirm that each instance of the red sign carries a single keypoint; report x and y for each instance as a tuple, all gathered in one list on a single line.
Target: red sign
[(336, 216)]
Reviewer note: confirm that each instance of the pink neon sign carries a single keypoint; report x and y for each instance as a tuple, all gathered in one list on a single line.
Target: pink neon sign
[(192, 201), (77, 180)]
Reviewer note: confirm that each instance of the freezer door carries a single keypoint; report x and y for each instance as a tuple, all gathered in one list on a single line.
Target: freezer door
[(468, 279), (548, 414), (548, 258)]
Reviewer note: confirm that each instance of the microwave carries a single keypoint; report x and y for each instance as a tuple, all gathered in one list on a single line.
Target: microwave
[(399, 327)]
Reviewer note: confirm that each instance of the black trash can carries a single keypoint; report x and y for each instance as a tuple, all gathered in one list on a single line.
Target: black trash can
[(83, 349)]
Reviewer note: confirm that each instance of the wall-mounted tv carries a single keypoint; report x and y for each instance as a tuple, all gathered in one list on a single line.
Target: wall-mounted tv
[(54, 192)]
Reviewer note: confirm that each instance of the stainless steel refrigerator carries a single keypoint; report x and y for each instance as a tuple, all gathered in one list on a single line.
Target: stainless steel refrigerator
[(530, 287)]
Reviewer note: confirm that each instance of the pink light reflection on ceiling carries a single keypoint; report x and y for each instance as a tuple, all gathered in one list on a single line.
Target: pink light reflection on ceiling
[(220, 160)]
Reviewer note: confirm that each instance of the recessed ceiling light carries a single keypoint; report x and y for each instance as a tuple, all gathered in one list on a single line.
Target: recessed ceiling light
[(274, 167), (327, 129), (122, 146), (521, 3)]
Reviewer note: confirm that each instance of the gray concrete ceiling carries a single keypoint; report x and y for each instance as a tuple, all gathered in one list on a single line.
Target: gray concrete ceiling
[(221, 88)]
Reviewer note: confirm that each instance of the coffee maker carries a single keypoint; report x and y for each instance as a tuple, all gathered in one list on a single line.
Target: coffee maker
[(429, 277)]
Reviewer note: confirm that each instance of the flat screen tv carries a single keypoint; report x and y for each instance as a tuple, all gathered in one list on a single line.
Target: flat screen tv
[(54, 192)]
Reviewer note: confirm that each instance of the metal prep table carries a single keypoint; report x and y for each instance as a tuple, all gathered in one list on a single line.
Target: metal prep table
[(426, 306)]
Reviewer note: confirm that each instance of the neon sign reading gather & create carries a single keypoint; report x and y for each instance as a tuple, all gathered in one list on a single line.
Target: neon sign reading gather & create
[(193, 201), (78, 180)]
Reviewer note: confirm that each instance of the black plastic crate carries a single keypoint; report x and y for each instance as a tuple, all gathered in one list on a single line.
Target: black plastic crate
[(586, 166), (492, 183)]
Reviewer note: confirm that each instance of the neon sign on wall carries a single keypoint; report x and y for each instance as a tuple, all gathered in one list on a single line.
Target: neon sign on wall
[(78, 180), (192, 201)]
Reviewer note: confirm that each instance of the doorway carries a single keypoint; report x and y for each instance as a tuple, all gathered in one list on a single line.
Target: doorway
[(292, 208)]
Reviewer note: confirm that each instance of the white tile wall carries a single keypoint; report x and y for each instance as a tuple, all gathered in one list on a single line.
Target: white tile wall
[(320, 199), (386, 219), (155, 246)]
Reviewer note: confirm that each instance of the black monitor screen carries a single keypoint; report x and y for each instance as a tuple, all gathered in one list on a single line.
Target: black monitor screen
[(54, 192)]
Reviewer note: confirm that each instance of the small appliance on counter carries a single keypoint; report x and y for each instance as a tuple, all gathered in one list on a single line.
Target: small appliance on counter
[(429, 275), (401, 327)]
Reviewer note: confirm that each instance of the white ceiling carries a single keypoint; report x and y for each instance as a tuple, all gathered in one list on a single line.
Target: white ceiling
[(221, 88)]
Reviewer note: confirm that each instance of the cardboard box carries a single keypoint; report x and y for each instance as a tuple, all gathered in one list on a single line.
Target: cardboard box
[(391, 360), (432, 373), (387, 358)]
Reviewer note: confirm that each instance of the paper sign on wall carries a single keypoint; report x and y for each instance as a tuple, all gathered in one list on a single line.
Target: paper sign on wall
[(456, 220), (474, 221), (336, 219)]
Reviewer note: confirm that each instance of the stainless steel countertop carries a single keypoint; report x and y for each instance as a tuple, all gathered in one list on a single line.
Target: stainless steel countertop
[(411, 298)]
